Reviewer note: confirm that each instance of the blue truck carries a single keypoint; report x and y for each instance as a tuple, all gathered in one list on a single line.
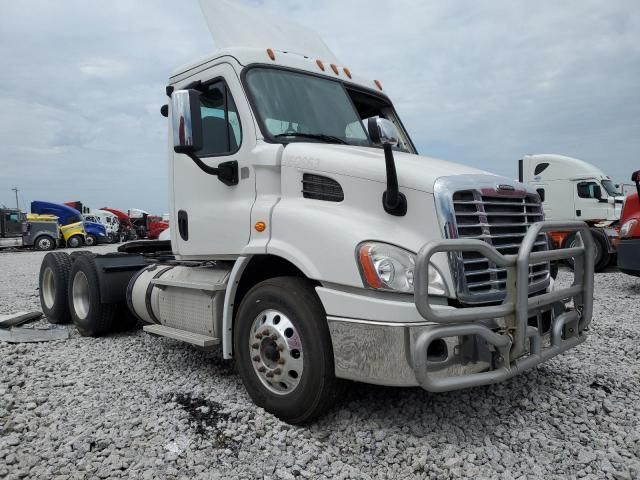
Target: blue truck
[(95, 232)]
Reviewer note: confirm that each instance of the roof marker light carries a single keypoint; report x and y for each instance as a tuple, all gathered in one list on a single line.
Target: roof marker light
[(272, 55), (378, 84), (347, 72), (320, 64), (335, 69)]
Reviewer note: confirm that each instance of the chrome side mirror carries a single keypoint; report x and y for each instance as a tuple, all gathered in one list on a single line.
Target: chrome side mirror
[(383, 132), (186, 121)]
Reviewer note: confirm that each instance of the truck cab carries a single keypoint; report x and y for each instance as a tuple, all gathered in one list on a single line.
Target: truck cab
[(572, 189), (629, 245), (312, 241), (17, 230)]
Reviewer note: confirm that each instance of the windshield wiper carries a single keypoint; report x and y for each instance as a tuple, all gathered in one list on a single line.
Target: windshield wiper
[(316, 136)]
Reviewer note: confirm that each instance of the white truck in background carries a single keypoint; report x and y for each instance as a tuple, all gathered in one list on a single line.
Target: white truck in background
[(108, 219), (314, 244), (572, 189)]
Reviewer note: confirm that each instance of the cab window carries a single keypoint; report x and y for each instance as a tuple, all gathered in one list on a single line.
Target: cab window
[(221, 132), (587, 189)]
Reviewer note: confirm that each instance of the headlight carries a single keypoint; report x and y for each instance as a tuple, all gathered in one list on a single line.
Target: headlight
[(391, 268), (626, 229)]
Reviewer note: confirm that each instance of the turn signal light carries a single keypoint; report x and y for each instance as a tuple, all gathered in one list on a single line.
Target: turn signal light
[(347, 72), (378, 84), (272, 55), (320, 64), (260, 226), (335, 69)]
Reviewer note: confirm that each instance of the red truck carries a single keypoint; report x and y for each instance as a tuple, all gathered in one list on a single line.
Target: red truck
[(629, 243)]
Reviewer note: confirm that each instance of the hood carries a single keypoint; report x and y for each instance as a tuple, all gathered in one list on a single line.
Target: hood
[(416, 172)]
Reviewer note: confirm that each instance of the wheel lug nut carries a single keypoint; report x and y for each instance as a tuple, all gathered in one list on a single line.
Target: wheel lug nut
[(280, 348), (256, 358), (269, 374), (277, 371), (255, 345), (262, 369), (258, 336), (274, 336), (281, 361)]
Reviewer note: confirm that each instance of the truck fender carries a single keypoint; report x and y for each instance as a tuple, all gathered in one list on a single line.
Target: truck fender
[(227, 309)]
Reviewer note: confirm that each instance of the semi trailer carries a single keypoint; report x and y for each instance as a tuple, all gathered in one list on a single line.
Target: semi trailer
[(314, 244), (629, 244), (572, 189)]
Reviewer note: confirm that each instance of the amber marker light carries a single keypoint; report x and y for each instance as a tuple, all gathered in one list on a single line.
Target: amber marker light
[(335, 69), (378, 84), (260, 226), (557, 238), (320, 64), (347, 72), (272, 55), (368, 268)]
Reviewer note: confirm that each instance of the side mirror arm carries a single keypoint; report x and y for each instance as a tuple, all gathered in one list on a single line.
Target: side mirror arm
[(227, 172)]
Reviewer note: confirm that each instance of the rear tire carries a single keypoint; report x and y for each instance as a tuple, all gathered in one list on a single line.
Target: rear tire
[(45, 243), (290, 371), (52, 282), (75, 241), (91, 317)]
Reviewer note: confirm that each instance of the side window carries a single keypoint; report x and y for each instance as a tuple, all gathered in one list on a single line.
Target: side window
[(586, 189), (221, 131), (541, 167)]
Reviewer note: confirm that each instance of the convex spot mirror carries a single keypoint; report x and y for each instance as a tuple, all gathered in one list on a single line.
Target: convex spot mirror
[(186, 121), (382, 131)]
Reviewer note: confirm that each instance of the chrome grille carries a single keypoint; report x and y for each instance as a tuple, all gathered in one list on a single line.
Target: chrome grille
[(501, 220)]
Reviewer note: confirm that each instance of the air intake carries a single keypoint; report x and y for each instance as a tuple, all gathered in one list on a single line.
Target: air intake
[(317, 187)]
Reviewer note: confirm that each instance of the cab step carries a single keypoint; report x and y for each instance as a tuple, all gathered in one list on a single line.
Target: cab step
[(187, 337)]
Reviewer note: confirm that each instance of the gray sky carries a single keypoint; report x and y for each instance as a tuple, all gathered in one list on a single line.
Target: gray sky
[(481, 83)]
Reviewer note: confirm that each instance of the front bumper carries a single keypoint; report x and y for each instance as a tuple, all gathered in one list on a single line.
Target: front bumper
[(456, 348), (629, 256)]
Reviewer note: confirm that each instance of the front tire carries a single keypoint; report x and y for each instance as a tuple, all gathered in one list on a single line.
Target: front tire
[(45, 243), (90, 240), (601, 257), (283, 349), (52, 282), (91, 317)]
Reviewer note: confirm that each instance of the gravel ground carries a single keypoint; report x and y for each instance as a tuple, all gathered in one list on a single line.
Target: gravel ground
[(134, 406)]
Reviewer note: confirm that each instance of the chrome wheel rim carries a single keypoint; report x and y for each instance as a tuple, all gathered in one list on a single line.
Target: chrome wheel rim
[(89, 241), (275, 347), (45, 243), (48, 288), (80, 295)]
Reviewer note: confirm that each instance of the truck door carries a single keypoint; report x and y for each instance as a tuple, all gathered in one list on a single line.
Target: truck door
[(212, 218), (12, 224), (587, 205)]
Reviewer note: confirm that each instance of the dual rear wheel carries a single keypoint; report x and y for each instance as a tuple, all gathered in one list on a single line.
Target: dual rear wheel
[(69, 292)]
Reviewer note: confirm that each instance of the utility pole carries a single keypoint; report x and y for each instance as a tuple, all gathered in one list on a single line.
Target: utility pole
[(15, 189)]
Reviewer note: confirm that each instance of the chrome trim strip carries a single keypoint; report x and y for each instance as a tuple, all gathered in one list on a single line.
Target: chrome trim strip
[(374, 323)]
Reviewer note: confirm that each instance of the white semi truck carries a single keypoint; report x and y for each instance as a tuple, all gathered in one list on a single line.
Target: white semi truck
[(572, 189), (314, 244)]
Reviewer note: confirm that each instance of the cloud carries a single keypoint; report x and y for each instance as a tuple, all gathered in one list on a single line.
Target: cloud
[(480, 83)]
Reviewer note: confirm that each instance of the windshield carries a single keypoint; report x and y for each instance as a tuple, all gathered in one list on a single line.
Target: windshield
[(610, 187), (294, 106)]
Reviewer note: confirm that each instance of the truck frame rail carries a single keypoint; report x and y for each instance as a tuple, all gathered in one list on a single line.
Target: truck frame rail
[(518, 345)]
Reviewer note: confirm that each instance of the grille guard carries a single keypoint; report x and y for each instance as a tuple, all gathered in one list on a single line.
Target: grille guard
[(515, 309)]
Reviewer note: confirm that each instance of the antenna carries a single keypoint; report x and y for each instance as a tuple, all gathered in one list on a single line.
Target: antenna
[(15, 189)]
